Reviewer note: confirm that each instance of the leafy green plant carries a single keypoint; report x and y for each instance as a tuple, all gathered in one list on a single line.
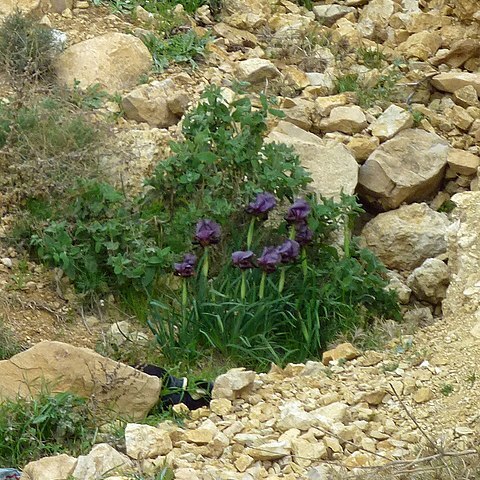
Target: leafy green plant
[(279, 312), (347, 83), (371, 57), (446, 389), (43, 426), (222, 162), (101, 242), (26, 48), (185, 47)]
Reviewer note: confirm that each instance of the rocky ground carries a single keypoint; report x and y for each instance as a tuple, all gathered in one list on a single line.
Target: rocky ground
[(404, 412)]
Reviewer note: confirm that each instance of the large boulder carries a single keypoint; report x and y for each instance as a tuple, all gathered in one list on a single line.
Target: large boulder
[(331, 165), (114, 60), (429, 281), (403, 239), (115, 387), (26, 6), (407, 168), (160, 104)]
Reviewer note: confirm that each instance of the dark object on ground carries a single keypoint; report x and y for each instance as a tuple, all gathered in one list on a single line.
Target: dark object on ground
[(179, 390)]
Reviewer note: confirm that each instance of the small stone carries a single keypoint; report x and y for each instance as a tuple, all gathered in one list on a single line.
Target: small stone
[(201, 436), (422, 395), (269, 451), (462, 162), (344, 350), (371, 358), (256, 70), (7, 262), (145, 441), (221, 406), (464, 431), (243, 462), (393, 120), (375, 397), (233, 384), (348, 119)]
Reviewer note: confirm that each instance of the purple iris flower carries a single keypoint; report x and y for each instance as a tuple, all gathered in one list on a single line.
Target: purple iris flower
[(184, 269), (243, 259), (303, 235), (269, 260), (289, 251), (190, 258), (264, 202), (298, 212), (207, 233)]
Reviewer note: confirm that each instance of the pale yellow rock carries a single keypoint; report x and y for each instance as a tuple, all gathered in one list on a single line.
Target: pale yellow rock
[(119, 388), (295, 77), (201, 436), (305, 452), (348, 119), (221, 406), (114, 60), (452, 81), (256, 70), (269, 450), (235, 35), (422, 395), (393, 120), (58, 467), (145, 441), (344, 350), (26, 6), (421, 45), (374, 19), (459, 117), (243, 462), (463, 162), (362, 147), (375, 397)]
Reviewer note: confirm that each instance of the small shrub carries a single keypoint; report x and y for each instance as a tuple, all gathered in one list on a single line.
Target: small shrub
[(181, 48), (446, 389), (26, 48), (285, 305), (44, 426), (347, 83), (371, 57), (101, 242), (222, 162)]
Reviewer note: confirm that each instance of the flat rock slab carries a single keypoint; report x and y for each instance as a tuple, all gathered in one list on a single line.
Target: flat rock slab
[(61, 367), (408, 168)]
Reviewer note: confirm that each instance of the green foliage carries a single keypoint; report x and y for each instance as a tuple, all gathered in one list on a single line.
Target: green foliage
[(221, 164), (101, 242), (328, 292), (446, 389), (43, 426), (308, 4), (26, 48), (181, 48), (371, 57), (417, 117), (153, 6), (9, 345), (347, 83)]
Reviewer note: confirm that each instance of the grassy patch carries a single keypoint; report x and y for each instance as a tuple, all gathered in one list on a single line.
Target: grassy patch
[(9, 345), (44, 426)]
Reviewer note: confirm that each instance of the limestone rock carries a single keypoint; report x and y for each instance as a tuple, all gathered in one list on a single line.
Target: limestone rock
[(422, 395), (221, 406), (404, 238), (390, 122), (292, 415), (256, 70), (160, 104), (124, 390), (145, 441), (26, 6), (462, 162), (348, 119), (466, 97), (235, 35), (374, 19), (269, 450), (233, 384), (331, 165), (58, 467), (451, 81), (102, 459), (362, 147), (421, 45), (430, 280), (461, 51), (398, 285), (305, 452), (336, 411), (344, 350), (407, 168), (324, 105), (113, 60), (328, 14)]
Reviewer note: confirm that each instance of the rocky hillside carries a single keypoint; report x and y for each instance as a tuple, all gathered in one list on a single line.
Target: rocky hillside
[(380, 99)]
